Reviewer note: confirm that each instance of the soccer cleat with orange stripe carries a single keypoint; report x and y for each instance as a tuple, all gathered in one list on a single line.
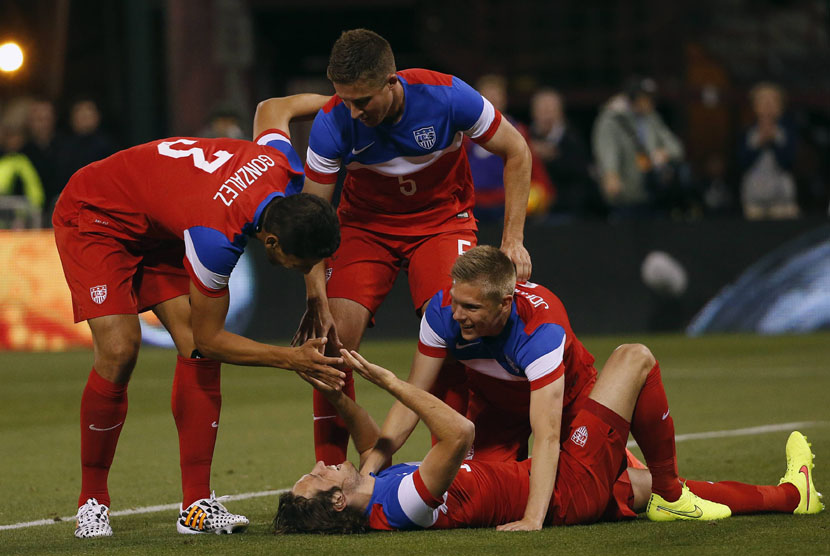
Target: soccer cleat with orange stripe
[(800, 474), (208, 515)]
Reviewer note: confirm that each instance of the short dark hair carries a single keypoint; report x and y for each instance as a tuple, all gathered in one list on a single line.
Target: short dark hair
[(305, 224), (297, 514), (360, 55), (488, 266)]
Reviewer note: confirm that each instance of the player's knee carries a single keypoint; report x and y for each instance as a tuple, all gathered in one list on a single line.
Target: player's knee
[(120, 356), (638, 357)]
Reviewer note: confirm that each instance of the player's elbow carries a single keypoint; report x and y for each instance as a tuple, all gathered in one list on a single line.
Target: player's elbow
[(465, 434)]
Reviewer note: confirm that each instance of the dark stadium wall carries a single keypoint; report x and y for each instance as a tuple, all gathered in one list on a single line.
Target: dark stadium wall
[(593, 267)]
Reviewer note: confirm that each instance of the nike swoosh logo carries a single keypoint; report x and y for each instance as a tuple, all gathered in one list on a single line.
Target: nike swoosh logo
[(358, 151), (465, 346), (666, 414), (94, 428), (806, 472), (696, 513), (324, 417), (215, 425)]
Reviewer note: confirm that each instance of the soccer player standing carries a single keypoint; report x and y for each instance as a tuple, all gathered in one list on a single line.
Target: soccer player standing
[(407, 200), (160, 227)]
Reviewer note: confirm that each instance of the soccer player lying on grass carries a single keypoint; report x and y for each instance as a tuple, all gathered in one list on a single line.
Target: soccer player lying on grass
[(445, 491), (527, 372)]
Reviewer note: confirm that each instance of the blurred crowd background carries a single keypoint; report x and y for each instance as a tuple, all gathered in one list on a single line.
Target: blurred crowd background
[(634, 109)]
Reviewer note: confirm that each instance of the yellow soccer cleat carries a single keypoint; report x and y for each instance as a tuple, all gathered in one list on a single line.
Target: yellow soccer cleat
[(689, 507), (800, 474)]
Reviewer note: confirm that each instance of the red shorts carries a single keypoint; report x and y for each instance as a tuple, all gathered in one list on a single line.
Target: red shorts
[(365, 266), (592, 483), (111, 276)]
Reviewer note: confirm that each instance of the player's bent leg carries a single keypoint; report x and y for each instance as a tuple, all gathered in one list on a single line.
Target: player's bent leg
[(331, 437), (103, 411), (174, 314)]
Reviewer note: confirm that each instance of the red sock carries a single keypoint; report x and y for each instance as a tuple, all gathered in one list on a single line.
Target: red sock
[(653, 429), (331, 437), (103, 410), (196, 403), (745, 499)]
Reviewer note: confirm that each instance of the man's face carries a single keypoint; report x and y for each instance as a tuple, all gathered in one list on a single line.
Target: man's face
[(279, 257), (325, 477), (478, 314), (368, 102)]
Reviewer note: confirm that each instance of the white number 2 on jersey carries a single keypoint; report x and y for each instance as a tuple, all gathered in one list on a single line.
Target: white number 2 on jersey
[(220, 157)]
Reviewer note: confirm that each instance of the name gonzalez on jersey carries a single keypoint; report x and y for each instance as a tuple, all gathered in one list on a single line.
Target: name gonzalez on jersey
[(244, 177)]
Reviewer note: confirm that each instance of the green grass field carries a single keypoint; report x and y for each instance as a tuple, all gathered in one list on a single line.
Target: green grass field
[(714, 384)]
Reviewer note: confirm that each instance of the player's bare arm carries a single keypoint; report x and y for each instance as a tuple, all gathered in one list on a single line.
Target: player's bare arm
[(509, 144), (213, 341), (454, 433), (545, 421), (277, 113), (401, 421), (362, 428), (317, 321)]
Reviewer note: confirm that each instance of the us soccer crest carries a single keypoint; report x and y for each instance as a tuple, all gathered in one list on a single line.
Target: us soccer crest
[(580, 436), (425, 137), (98, 293)]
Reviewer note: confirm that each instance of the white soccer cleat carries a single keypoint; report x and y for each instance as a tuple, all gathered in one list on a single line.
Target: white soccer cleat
[(208, 515), (92, 520)]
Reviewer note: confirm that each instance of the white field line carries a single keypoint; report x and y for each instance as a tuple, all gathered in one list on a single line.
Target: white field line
[(750, 431)]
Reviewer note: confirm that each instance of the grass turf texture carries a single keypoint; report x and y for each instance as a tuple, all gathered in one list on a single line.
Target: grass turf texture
[(713, 383)]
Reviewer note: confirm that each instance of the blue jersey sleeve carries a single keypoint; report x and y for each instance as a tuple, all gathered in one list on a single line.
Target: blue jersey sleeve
[(467, 104), (211, 255), (281, 143), (326, 138)]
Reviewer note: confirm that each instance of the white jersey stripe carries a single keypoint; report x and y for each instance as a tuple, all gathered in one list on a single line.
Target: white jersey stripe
[(321, 164), (268, 137), (429, 337), (207, 277), (547, 363), (482, 125), (491, 367), (413, 505), (405, 165)]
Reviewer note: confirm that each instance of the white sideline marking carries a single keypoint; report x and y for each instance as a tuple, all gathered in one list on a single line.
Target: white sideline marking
[(144, 510), (749, 431), (244, 496)]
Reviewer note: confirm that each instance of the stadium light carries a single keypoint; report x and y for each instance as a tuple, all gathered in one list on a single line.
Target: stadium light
[(11, 57)]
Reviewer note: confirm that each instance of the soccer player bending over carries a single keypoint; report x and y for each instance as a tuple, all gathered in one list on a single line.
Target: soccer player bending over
[(445, 491), (160, 227)]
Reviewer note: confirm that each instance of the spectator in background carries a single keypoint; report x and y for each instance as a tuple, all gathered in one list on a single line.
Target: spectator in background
[(488, 169), (42, 146), (86, 143), (767, 156), (565, 156), (18, 178), (224, 121), (638, 156)]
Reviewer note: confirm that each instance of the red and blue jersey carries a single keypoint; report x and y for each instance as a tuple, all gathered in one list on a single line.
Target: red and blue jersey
[(483, 494), (209, 193), (410, 177), (536, 345)]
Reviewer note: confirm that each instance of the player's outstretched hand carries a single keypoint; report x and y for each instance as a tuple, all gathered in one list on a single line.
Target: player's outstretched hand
[(520, 257), (317, 322), (371, 372), (309, 360), (519, 526)]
